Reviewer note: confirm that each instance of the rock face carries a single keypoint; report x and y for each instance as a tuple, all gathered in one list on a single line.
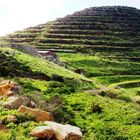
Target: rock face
[(15, 102), (40, 115), (65, 132), (42, 132)]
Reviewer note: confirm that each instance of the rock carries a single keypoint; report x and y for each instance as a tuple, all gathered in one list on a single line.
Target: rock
[(16, 89), (3, 128), (4, 82), (15, 102), (11, 118), (5, 88), (65, 132), (33, 105), (42, 132), (8, 119), (40, 115), (10, 93)]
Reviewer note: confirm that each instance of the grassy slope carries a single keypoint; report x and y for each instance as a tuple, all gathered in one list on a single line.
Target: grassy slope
[(36, 64), (99, 117), (104, 71), (96, 66), (14, 65)]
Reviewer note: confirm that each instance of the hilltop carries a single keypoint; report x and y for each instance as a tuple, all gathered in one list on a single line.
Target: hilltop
[(112, 32), (104, 99)]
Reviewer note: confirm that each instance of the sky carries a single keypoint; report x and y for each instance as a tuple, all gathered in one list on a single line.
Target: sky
[(19, 14)]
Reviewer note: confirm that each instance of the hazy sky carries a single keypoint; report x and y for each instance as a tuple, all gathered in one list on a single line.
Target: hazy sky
[(19, 14)]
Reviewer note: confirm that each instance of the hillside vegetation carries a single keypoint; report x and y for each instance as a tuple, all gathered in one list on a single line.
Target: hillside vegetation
[(104, 102)]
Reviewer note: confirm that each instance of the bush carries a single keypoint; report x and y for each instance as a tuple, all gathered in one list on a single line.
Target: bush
[(24, 118), (124, 98), (5, 136), (110, 132), (61, 88), (20, 118), (96, 108), (110, 92), (136, 99)]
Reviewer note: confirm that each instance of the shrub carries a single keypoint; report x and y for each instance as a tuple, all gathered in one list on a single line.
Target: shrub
[(136, 99), (124, 98), (20, 118), (24, 118), (5, 136), (61, 88), (110, 132), (96, 108), (138, 93), (110, 92)]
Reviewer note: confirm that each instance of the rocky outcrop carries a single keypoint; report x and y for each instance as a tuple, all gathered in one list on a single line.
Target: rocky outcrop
[(14, 102), (40, 115), (42, 132), (65, 132), (52, 130)]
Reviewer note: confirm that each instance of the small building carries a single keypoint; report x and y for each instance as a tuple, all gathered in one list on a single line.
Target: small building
[(49, 55)]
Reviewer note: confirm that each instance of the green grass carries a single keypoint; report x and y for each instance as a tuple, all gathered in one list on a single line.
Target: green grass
[(109, 80), (99, 117), (38, 65), (96, 66), (116, 119)]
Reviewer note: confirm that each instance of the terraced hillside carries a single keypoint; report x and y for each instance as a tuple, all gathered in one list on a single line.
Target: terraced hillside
[(112, 32), (103, 42)]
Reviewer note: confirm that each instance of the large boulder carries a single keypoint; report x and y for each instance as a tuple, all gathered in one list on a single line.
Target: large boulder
[(14, 102), (65, 132), (42, 132), (40, 115)]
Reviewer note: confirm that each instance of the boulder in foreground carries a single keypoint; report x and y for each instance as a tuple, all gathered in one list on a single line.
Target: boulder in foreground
[(40, 115), (65, 132), (42, 132)]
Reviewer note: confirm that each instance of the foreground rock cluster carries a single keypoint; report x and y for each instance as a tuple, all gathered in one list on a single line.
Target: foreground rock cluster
[(50, 130), (57, 131)]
